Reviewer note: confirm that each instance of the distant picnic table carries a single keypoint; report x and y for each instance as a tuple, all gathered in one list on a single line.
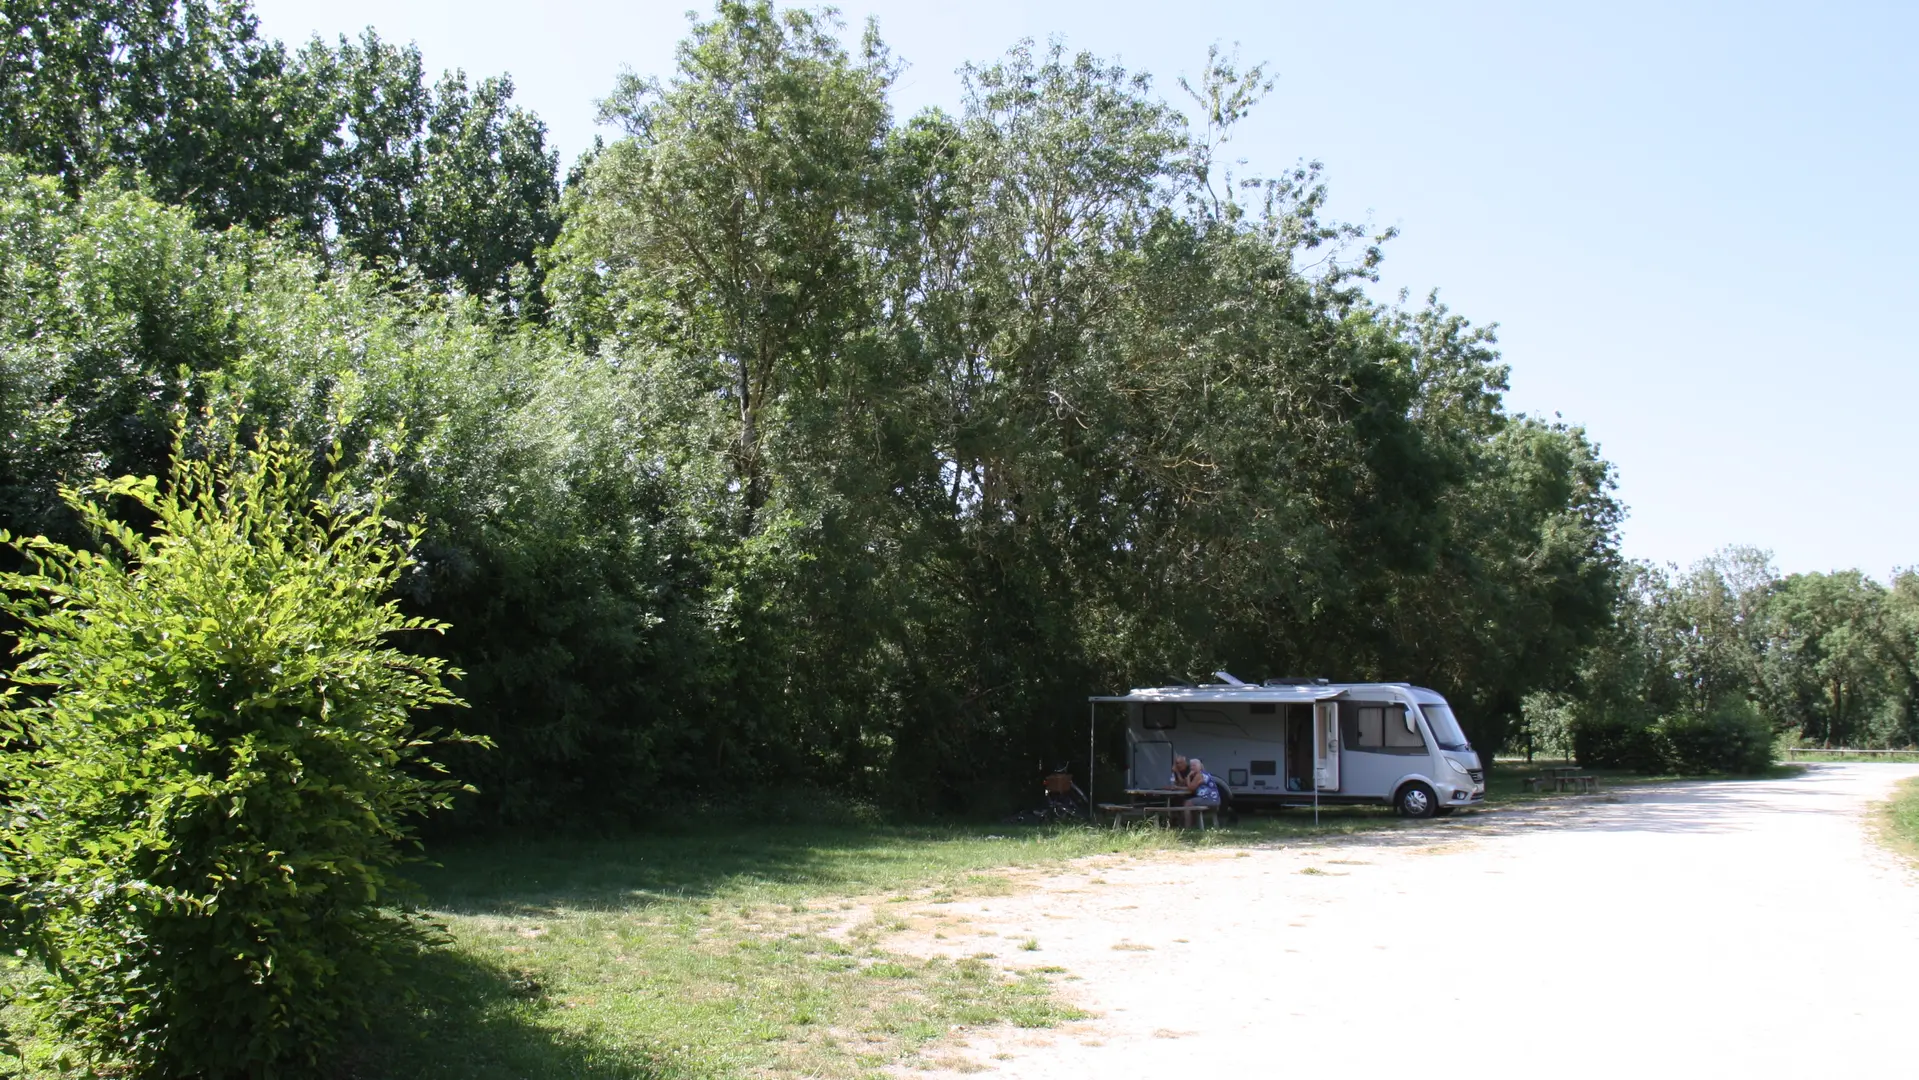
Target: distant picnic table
[(1563, 778)]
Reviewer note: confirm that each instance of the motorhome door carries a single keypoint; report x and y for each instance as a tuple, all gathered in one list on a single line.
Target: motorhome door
[(1326, 744), (1152, 763)]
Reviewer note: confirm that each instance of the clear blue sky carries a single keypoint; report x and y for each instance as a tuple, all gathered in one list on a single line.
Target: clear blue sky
[(1692, 223)]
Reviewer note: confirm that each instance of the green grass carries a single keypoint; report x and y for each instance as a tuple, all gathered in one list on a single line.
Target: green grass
[(735, 948), (725, 950), (1900, 819), (731, 949)]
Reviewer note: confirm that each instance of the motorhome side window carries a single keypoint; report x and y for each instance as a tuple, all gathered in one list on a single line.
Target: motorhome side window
[(1158, 716), (1381, 728), (1402, 731), (1362, 723)]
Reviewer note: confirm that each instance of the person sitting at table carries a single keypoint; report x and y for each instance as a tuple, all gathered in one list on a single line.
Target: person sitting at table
[(1202, 784), (1180, 768)]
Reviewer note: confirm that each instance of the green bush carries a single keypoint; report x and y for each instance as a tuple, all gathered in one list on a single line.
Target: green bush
[(1732, 738), (212, 764), (1615, 740)]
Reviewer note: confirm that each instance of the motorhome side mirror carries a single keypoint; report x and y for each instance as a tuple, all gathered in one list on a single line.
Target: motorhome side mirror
[(1408, 717)]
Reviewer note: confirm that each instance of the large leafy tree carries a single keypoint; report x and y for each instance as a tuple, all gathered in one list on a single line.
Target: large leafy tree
[(1014, 248), (450, 181), (719, 253), (731, 217), (1832, 661)]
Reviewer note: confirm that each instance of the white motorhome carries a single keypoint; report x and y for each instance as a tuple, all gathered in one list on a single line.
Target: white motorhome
[(1294, 742)]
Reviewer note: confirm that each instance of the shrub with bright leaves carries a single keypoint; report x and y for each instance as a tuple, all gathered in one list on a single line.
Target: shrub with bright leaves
[(210, 764), (1731, 738)]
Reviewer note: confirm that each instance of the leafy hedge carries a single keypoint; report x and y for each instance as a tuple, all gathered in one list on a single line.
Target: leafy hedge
[(1616, 740), (212, 765), (1731, 738)]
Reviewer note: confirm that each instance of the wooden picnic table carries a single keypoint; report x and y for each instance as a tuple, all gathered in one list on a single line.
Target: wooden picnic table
[(1161, 803), (1563, 778), (1184, 816)]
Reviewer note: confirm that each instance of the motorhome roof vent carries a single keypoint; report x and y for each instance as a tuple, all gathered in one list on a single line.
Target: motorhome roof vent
[(1296, 682)]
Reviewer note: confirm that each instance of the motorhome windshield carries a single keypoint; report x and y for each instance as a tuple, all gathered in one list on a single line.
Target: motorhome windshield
[(1445, 727)]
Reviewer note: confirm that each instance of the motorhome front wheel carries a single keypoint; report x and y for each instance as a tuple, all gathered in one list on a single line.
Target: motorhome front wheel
[(1416, 800)]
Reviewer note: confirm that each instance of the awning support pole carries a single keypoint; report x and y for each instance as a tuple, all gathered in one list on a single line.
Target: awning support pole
[(1092, 721)]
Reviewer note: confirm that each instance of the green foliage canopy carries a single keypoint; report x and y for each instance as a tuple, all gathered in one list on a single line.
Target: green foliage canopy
[(855, 450), (346, 147), (1027, 404)]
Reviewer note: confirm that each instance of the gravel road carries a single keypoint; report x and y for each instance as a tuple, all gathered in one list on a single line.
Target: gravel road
[(1747, 929)]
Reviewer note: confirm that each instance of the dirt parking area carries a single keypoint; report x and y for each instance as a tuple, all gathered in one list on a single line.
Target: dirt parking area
[(1748, 929)]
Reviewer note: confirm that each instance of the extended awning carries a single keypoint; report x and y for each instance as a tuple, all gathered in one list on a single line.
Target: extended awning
[(1212, 694)]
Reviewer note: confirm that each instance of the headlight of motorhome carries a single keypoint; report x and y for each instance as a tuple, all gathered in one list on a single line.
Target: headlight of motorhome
[(1458, 768)]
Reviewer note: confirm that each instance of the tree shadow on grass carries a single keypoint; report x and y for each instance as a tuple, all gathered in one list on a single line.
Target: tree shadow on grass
[(526, 877), (470, 1020)]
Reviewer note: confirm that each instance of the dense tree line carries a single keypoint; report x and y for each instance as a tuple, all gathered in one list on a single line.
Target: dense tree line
[(1820, 659), (794, 442)]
